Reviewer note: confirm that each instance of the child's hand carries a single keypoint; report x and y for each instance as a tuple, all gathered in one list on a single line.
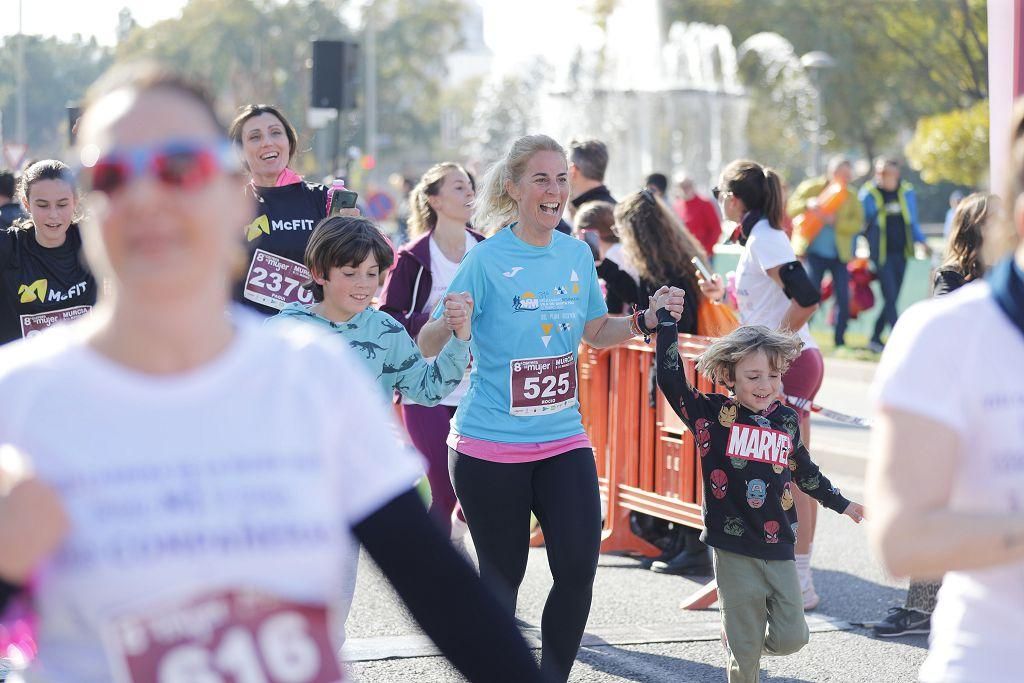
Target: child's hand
[(672, 299), (458, 314), (855, 511)]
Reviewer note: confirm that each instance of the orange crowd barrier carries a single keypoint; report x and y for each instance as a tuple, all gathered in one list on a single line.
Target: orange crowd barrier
[(646, 457)]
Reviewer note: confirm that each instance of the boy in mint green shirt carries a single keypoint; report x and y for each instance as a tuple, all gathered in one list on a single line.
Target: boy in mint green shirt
[(345, 256)]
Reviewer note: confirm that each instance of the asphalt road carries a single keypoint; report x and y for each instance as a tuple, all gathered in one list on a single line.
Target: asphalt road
[(638, 633)]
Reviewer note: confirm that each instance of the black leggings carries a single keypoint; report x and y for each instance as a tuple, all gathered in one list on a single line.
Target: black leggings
[(562, 491)]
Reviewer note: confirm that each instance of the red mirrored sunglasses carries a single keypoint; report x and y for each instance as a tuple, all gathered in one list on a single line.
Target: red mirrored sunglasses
[(185, 164)]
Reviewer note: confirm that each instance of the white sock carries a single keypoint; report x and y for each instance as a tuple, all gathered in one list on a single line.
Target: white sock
[(803, 570)]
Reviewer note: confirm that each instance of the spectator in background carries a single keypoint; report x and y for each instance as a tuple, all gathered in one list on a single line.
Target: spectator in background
[(10, 209), (588, 161), (954, 199), (963, 263), (832, 247), (699, 215), (892, 229), (657, 184), (595, 225)]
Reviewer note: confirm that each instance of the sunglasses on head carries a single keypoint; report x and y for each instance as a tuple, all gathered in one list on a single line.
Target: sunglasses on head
[(182, 164), (718, 192)]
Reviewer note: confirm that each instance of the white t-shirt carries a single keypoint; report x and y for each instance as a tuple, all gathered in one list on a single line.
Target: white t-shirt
[(761, 300), (956, 360), (246, 473), (441, 272)]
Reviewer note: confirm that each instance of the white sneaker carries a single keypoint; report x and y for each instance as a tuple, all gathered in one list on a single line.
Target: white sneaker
[(811, 597)]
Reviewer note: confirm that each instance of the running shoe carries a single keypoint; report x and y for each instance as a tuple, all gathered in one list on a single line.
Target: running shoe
[(903, 622), (811, 597)]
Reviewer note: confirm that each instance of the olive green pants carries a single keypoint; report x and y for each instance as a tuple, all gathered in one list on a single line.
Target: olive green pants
[(762, 611)]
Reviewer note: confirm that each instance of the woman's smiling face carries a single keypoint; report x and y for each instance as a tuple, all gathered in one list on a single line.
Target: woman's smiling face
[(265, 145), (542, 191)]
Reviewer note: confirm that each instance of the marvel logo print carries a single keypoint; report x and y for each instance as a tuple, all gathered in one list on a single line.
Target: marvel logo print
[(275, 281), (540, 386), (759, 444), (228, 636), (37, 322)]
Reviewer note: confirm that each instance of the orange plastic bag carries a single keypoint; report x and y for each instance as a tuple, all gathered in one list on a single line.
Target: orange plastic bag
[(807, 225), (715, 320)]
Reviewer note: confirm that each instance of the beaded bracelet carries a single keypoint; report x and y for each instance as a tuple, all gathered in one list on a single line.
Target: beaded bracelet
[(637, 327)]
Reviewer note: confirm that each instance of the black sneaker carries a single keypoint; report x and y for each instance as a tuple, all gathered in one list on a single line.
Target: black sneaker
[(903, 622)]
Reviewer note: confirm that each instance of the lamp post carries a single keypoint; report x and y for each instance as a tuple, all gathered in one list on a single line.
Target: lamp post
[(814, 62)]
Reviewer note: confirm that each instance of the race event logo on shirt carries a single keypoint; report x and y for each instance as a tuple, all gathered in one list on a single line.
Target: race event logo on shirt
[(555, 300), (759, 444), (38, 291)]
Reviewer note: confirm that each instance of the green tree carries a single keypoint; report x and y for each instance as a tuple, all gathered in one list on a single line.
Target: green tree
[(952, 146), (895, 61), (56, 74), (259, 51), (414, 37), (248, 50)]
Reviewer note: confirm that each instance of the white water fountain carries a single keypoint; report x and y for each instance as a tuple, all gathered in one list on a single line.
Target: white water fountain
[(667, 104)]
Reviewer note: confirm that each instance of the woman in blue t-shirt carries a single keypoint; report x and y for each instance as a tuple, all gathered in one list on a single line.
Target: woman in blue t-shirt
[(517, 442)]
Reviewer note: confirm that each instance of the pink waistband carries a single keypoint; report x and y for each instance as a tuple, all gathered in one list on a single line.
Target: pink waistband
[(511, 453)]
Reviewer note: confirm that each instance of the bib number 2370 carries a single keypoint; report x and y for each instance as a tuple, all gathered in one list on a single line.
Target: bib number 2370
[(275, 281), (540, 386), (227, 637)]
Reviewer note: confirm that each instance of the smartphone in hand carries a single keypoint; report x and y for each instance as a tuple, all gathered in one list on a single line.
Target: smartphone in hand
[(342, 199), (702, 270)]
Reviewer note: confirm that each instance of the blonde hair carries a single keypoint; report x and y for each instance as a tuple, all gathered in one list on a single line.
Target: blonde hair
[(494, 207), (422, 217), (1004, 239), (719, 362), (656, 242)]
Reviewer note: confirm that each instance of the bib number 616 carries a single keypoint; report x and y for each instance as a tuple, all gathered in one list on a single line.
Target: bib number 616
[(280, 651), (228, 640)]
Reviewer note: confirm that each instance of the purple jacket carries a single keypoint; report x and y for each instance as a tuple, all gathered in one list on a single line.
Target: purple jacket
[(408, 284)]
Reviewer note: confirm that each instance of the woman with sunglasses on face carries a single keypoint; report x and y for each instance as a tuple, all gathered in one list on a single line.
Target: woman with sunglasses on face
[(288, 208), (43, 276), (192, 514), (773, 289)]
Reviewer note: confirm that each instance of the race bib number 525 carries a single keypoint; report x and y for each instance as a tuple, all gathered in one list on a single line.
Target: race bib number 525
[(541, 386), (228, 637), (275, 281)]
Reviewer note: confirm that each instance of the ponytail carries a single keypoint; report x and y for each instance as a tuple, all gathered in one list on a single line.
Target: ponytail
[(774, 206), (759, 188)]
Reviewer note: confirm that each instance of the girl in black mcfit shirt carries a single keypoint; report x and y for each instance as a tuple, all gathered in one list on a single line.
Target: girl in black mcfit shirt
[(44, 279)]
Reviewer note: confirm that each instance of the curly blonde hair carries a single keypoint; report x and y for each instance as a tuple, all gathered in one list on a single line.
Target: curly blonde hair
[(719, 362)]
